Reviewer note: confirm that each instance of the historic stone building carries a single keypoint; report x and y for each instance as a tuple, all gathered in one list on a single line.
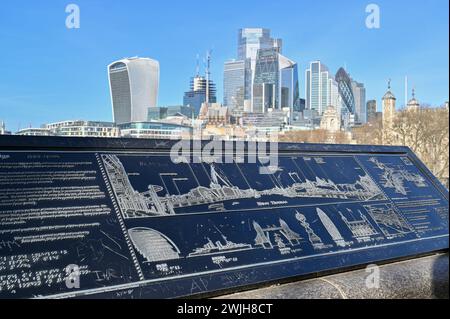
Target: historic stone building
[(331, 121), (413, 104), (424, 130), (388, 115)]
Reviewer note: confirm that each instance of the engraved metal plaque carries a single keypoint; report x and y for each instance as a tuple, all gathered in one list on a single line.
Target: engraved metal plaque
[(119, 218)]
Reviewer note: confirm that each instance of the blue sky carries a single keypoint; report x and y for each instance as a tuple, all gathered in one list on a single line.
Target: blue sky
[(51, 73)]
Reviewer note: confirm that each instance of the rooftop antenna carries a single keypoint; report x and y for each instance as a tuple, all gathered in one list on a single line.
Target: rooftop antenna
[(208, 67)]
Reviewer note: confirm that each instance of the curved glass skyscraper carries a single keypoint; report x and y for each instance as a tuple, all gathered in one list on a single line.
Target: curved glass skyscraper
[(134, 84), (345, 91)]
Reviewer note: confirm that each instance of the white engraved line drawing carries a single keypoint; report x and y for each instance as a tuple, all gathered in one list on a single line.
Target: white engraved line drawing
[(214, 248), (361, 228), (135, 204), (314, 239), (153, 245), (263, 236), (390, 222), (132, 203), (332, 229), (395, 177), (149, 281), (407, 161), (120, 218)]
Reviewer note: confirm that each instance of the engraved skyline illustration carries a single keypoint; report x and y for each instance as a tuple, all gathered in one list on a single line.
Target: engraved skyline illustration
[(154, 202)]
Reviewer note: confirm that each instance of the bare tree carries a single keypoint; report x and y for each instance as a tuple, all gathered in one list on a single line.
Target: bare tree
[(426, 132), (370, 133)]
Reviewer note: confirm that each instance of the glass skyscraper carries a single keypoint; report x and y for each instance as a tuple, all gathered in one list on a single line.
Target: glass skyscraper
[(359, 93), (197, 93), (334, 99), (371, 110), (317, 87), (266, 80), (289, 84), (261, 78), (134, 84), (276, 82), (236, 74), (250, 41), (345, 91)]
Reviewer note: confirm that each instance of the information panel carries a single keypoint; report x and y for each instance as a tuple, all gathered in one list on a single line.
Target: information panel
[(121, 219)]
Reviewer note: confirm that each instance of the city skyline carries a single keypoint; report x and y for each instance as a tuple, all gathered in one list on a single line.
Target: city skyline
[(35, 92)]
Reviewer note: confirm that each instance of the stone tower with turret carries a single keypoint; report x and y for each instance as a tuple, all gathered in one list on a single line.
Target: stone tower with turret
[(388, 114), (413, 104)]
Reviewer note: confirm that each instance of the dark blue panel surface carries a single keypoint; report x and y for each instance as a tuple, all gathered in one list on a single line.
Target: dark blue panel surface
[(137, 225)]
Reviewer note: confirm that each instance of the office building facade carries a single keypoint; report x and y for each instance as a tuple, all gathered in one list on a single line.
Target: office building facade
[(82, 128), (345, 89), (317, 83), (359, 93), (236, 74), (289, 84), (155, 130), (334, 99), (134, 85), (266, 80), (163, 112), (250, 41), (276, 82), (371, 110), (32, 131), (197, 95)]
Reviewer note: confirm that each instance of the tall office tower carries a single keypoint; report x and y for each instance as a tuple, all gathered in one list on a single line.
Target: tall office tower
[(250, 40), (371, 110), (334, 99), (235, 75), (317, 85), (276, 82), (134, 84), (198, 92), (345, 92), (289, 84), (359, 93), (266, 80)]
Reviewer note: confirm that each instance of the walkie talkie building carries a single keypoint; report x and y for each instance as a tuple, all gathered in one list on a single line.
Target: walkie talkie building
[(134, 84)]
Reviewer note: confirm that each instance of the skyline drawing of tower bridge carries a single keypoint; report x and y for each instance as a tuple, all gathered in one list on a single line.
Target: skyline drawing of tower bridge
[(150, 203)]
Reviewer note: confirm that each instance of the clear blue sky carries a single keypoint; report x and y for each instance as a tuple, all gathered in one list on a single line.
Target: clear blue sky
[(50, 73)]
